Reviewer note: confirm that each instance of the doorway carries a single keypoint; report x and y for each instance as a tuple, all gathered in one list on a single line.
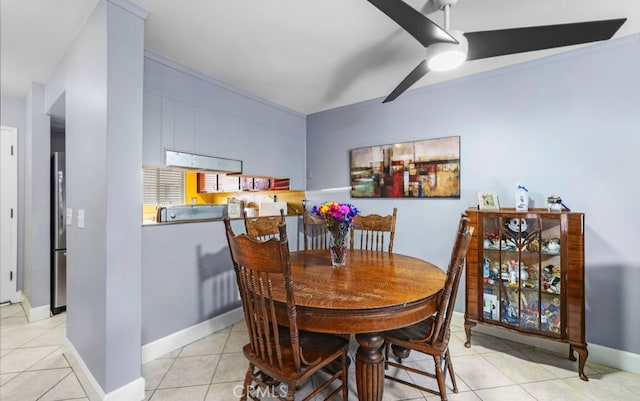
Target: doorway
[(8, 214)]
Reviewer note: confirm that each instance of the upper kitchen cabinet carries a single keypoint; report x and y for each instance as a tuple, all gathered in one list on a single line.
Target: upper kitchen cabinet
[(268, 151), (171, 125), (152, 154), (212, 133), (184, 128)]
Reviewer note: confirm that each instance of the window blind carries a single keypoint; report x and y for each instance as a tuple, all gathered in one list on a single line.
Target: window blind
[(162, 186)]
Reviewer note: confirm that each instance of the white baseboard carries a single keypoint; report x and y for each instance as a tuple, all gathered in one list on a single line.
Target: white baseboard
[(133, 391), (34, 314), (602, 355), (186, 336)]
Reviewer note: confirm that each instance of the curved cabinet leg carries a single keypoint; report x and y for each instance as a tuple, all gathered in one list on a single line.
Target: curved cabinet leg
[(369, 366), (468, 325), (582, 358)]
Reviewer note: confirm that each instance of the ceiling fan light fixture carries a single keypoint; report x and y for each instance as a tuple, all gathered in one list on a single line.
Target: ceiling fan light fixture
[(447, 56)]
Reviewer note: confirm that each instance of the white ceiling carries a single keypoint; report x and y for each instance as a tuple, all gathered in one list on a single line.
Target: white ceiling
[(309, 56)]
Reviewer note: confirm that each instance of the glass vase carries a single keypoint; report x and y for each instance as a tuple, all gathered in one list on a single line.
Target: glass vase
[(338, 255), (338, 248)]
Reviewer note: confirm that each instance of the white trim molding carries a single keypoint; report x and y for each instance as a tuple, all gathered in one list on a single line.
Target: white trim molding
[(34, 314), (174, 341), (132, 391)]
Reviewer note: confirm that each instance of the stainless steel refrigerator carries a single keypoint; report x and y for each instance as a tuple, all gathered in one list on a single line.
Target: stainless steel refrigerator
[(59, 235)]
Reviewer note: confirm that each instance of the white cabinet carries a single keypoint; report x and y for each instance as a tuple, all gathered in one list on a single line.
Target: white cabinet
[(184, 128), (152, 131), (212, 134)]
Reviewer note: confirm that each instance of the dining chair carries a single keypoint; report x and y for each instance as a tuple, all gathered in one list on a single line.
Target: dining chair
[(278, 353), (262, 227), (314, 231), (372, 231), (431, 336)]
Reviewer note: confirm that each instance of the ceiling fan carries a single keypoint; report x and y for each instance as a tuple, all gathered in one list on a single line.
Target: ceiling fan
[(447, 49)]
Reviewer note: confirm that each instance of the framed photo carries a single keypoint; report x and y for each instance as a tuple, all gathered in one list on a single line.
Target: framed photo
[(488, 201), (428, 168)]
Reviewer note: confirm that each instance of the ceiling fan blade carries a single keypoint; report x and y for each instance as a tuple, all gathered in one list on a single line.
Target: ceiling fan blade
[(420, 27), (484, 44), (420, 71)]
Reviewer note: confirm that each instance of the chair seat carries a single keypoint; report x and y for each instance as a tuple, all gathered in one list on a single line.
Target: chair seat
[(316, 347), (413, 337)]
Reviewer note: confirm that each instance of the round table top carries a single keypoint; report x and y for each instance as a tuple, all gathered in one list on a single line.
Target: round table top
[(374, 291)]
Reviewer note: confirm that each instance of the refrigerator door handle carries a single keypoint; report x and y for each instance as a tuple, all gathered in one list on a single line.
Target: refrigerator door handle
[(61, 211)]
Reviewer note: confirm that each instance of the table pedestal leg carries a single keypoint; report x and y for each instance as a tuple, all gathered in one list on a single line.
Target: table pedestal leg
[(369, 367)]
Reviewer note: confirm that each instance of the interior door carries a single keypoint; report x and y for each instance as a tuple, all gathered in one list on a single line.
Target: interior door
[(8, 214)]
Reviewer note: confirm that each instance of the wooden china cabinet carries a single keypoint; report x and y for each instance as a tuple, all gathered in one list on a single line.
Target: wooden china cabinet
[(525, 273)]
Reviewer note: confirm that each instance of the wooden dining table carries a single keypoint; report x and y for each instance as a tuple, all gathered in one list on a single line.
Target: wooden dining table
[(374, 292)]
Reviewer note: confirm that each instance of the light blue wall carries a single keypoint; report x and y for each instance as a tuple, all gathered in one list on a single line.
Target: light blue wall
[(37, 242), (566, 124), (101, 79), (187, 274)]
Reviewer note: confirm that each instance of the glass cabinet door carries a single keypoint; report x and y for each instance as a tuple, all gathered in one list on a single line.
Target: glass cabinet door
[(521, 271)]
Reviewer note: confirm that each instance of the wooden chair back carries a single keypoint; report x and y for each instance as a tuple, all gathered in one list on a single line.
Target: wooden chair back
[(373, 231), (257, 264), (315, 231), (442, 323), (431, 336), (263, 227), (277, 352)]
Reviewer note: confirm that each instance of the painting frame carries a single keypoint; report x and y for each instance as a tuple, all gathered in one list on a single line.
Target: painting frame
[(426, 168), (488, 200)]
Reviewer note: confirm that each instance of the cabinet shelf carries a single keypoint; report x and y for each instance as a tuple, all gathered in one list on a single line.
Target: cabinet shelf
[(526, 274)]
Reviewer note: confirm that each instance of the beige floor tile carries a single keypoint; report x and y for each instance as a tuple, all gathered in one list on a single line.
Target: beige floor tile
[(191, 393), (553, 390), (54, 360), (154, 371), (460, 396), (14, 322), (212, 344), (232, 367), (22, 359), (559, 365), (508, 393), (603, 388), (190, 371), (10, 310), (236, 341), (67, 389), (5, 377), (17, 338), (626, 379), (53, 336), (224, 391), (55, 321), (478, 373), (456, 345), (30, 386), (518, 367)]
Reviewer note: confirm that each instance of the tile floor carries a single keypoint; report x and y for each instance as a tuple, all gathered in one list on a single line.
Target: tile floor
[(33, 367)]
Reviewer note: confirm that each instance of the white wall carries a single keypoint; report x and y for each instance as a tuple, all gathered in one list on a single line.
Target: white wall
[(567, 124)]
